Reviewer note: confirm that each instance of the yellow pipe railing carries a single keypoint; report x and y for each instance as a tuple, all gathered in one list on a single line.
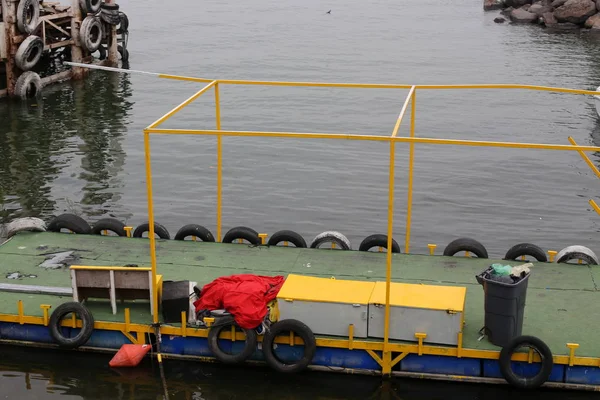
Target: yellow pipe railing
[(219, 161), (411, 163), (386, 359)]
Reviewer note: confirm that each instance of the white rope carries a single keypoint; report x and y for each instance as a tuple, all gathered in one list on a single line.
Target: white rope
[(112, 69)]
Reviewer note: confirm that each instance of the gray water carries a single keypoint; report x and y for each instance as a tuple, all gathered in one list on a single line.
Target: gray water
[(80, 148)]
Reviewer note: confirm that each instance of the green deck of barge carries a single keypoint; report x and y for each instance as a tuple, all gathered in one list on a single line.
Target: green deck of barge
[(562, 299)]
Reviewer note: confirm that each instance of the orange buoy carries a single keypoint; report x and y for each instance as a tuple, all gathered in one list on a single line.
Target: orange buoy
[(129, 355)]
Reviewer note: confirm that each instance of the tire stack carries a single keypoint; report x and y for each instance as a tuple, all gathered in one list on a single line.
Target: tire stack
[(29, 52), (101, 17)]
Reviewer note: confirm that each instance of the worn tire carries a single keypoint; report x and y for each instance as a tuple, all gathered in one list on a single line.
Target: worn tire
[(28, 16), (287, 236), (331, 236), (29, 53), (526, 249), (26, 224), (123, 52), (242, 232), (123, 26), (102, 52), (86, 329), (91, 34), (90, 6), (526, 382), (194, 230), (300, 329), (71, 222), (577, 252), (28, 85), (378, 240), (160, 230), (213, 342), (466, 244), (109, 224)]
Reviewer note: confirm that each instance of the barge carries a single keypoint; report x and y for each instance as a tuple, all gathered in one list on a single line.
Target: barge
[(387, 313)]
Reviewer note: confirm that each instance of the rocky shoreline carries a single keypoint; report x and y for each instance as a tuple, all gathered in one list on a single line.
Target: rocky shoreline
[(559, 14)]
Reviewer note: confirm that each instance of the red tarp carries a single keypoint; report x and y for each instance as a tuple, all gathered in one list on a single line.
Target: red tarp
[(245, 296)]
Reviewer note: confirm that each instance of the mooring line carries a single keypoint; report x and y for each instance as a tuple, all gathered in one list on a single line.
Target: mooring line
[(112, 69)]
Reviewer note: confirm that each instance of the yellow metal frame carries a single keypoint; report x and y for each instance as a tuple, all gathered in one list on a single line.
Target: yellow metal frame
[(386, 347)]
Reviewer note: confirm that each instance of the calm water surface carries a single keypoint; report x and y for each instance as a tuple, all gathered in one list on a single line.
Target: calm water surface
[(80, 147)]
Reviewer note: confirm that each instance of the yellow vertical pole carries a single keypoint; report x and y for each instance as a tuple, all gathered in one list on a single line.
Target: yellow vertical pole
[(219, 161), (387, 355), (411, 161), (151, 223)]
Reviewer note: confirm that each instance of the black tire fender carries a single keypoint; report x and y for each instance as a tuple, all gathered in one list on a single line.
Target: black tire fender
[(28, 85), (242, 232), (225, 323), (299, 329), (123, 25), (378, 240), (91, 33), (331, 236), (194, 230), (466, 244), (526, 249), (102, 52), (287, 236), (28, 16), (123, 52), (526, 382), (160, 230), (90, 6), (71, 222), (109, 224), (86, 330)]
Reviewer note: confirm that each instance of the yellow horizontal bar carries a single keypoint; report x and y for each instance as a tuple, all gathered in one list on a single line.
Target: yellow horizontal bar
[(108, 268), (404, 108), (482, 143), (401, 139), (318, 84), (511, 86), (184, 78), (383, 85), (342, 136), (182, 105)]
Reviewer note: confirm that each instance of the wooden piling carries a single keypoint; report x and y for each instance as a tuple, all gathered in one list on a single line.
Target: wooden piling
[(9, 17), (112, 42), (76, 53)]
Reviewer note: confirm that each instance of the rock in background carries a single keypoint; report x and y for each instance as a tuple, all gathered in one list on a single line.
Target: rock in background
[(560, 14)]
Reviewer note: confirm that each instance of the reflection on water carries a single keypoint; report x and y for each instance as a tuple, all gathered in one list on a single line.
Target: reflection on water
[(32, 373), (74, 127)]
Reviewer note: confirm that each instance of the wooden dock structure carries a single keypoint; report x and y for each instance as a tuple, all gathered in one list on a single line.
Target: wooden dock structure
[(37, 35)]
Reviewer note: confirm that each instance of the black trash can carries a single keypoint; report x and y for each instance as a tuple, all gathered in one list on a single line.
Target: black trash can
[(504, 307)]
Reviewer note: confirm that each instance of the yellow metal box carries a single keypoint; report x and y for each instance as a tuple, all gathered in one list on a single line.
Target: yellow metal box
[(437, 311), (327, 306)]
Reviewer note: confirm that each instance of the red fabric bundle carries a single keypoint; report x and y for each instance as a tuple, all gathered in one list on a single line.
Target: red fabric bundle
[(245, 296)]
